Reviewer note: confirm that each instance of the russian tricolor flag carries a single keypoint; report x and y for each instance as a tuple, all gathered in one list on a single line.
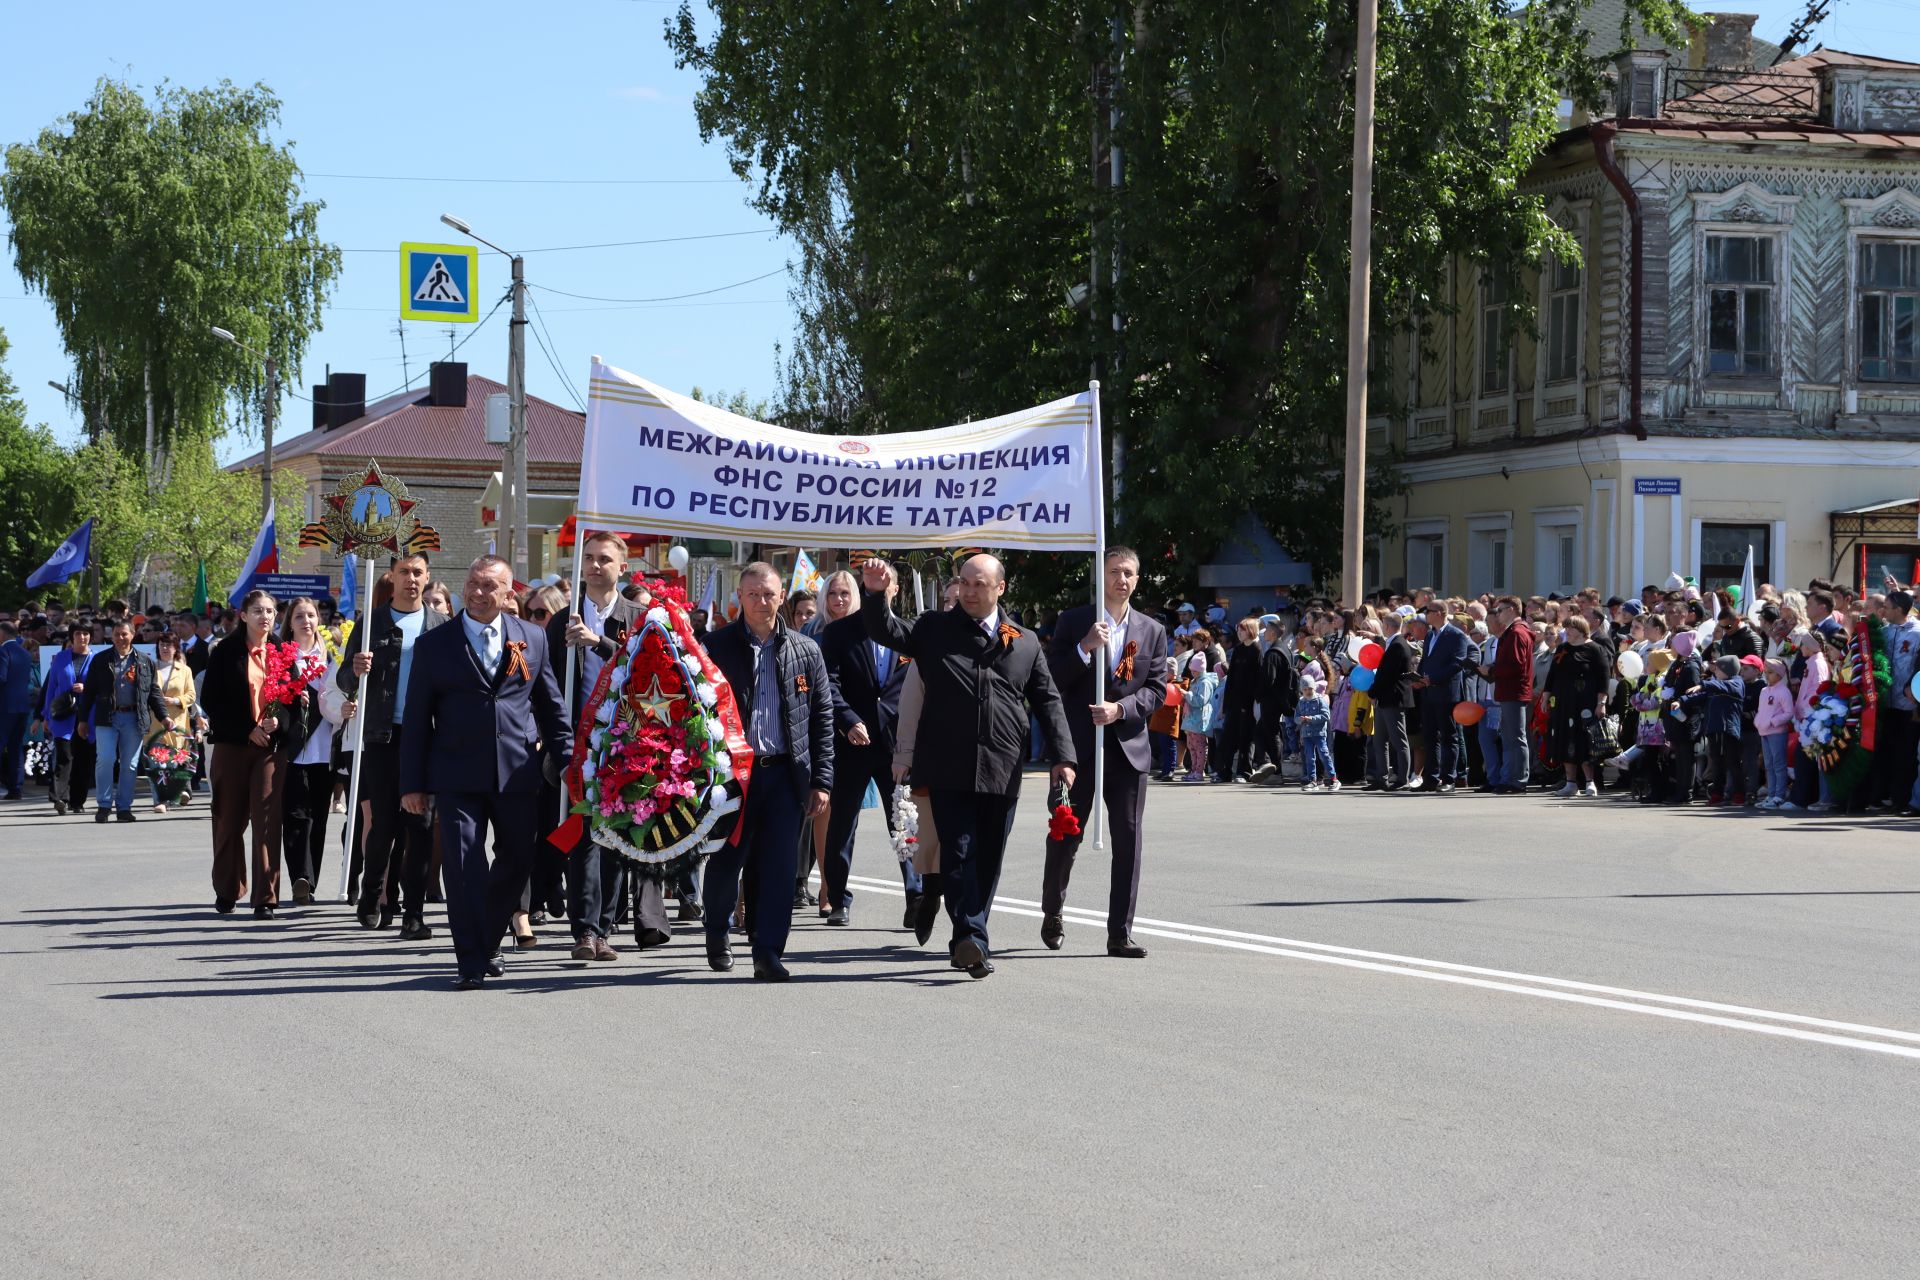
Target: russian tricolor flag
[(263, 558)]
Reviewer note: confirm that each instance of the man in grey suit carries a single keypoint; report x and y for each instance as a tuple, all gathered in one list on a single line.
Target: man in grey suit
[(1133, 648)]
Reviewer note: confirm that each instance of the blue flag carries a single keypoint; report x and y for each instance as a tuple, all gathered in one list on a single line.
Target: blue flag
[(70, 559), (349, 589)]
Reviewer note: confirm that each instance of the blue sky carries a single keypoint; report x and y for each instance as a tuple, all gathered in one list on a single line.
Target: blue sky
[(576, 90), (566, 89)]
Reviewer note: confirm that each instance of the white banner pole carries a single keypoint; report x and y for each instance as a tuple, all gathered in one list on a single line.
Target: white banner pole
[(365, 627), (1096, 811)]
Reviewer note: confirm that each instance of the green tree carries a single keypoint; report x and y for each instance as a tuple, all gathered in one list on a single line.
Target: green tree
[(933, 163), (147, 222), (41, 489)]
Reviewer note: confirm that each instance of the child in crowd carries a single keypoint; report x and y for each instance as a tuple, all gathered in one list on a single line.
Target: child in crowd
[(1715, 704), (1316, 760), (1197, 720), (1752, 682), (1771, 721)]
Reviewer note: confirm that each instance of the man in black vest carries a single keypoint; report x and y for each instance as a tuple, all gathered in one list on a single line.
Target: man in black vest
[(1133, 649), (867, 679), (386, 656), (982, 671)]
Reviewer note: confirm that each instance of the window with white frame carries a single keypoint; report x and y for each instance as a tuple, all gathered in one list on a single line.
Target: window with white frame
[(1427, 558), (1889, 334), (1495, 338), (1738, 293), (1563, 321), (1488, 539)]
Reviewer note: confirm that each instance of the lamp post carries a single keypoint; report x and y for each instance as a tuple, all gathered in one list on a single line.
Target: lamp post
[(514, 472), (266, 416)]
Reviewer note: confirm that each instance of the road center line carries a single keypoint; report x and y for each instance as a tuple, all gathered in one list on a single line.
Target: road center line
[(1545, 988)]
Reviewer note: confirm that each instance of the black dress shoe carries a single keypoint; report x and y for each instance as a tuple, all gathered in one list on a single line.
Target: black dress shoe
[(644, 938), (719, 955), (1053, 932), (1446, 789), (840, 915), (103, 815), (537, 919), (386, 917), (770, 971), (414, 929), (1126, 949), (125, 815), (302, 892), (466, 982), (369, 917), (223, 906), (494, 968), (263, 912), (911, 916), (968, 955), (689, 911)]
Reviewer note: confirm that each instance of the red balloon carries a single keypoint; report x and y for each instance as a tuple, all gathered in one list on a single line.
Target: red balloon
[(1468, 713), (1370, 656)]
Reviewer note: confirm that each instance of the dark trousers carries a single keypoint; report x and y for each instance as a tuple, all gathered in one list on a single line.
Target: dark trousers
[(1126, 804), (853, 768), (768, 850), (1236, 743), (1443, 738), (72, 771), (13, 750), (596, 877), (1726, 765), (481, 898), (400, 844), (303, 818), (1894, 756), (1680, 764), (1267, 744), (247, 781), (973, 829)]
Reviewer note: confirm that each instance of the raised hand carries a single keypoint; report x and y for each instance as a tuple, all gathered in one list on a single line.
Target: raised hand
[(876, 574)]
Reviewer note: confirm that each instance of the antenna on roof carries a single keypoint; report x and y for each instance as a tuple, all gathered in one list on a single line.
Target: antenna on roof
[(406, 379), (1797, 34)]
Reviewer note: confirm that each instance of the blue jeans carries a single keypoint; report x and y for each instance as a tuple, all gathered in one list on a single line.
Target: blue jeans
[(1513, 743), (1315, 755), (1491, 755), (1774, 745), (117, 743)]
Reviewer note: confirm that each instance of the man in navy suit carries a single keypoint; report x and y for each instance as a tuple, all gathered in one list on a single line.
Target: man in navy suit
[(1133, 648), (1444, 662), (481, 703), (867, 679)]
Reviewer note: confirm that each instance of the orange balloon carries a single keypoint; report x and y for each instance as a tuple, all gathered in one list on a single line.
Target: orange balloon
[(1468, 713)]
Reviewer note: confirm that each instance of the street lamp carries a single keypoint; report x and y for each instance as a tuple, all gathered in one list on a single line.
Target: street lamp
[(514, 472), (273, 399)]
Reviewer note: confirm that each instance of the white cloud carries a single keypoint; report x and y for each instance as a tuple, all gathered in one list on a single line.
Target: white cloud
[(640, 93)]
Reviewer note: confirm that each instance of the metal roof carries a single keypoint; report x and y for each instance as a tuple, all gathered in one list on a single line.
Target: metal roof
[(406, 425)]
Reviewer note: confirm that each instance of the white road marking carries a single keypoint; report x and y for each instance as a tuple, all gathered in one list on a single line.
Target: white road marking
[(1679, 1008)]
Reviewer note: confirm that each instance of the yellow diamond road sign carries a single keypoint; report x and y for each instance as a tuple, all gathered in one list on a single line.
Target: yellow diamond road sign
[(439, 282)]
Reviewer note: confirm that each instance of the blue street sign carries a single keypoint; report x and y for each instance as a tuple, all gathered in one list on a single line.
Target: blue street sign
[(437, 282)]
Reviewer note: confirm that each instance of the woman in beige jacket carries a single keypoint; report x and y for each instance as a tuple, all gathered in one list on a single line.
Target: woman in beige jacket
[(173, 685)]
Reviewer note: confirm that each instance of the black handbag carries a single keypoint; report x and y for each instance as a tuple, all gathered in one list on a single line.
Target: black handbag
[(1603, 736), (62, 706)]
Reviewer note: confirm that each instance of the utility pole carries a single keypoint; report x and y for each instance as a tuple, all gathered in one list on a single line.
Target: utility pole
[(1107, 177), (1353, 526), (517, 420)]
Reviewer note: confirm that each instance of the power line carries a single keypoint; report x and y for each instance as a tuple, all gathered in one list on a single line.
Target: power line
[(675, 297), (547, 350), (407, 386), (548, 182)]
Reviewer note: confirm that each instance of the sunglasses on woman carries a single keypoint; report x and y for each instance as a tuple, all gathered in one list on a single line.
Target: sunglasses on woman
[(540, 615)]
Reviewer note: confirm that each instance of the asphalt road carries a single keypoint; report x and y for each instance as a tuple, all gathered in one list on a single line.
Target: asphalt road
[(1292, 1084)]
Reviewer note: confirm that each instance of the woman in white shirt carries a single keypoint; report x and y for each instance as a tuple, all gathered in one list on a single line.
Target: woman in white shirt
[(308, 793)]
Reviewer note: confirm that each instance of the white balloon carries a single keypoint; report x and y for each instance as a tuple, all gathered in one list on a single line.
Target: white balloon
[(1631, 665), (677, 557)]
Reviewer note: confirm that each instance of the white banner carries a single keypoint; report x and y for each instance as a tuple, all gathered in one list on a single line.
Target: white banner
[(658, 462)]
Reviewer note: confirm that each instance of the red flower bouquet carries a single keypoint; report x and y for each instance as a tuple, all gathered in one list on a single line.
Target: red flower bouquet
[(288, 676)]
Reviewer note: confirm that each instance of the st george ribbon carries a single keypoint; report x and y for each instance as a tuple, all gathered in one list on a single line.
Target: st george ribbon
[(656, 461)]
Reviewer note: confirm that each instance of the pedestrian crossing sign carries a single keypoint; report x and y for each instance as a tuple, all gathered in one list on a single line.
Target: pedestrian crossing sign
[(438, 282)]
